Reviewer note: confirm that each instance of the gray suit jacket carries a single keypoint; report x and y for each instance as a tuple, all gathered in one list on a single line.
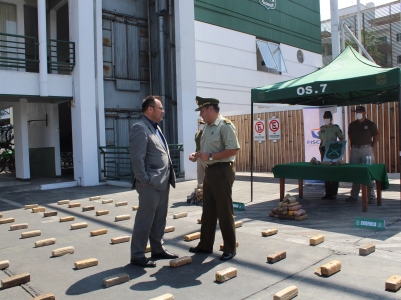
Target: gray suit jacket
[(151, 162)]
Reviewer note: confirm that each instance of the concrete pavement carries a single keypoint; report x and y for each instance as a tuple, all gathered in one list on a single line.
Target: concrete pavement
[(360, 277)]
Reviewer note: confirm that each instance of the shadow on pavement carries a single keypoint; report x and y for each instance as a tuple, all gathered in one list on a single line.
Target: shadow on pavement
[(94, 282), (44, 197), (181, 277)]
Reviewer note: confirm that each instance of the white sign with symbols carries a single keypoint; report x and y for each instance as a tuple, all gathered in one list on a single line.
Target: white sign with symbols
[(259, 131), (274, 129)]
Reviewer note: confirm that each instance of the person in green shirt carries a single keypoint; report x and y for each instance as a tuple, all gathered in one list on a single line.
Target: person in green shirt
[(329, 132), (199, 166), (218, 148)]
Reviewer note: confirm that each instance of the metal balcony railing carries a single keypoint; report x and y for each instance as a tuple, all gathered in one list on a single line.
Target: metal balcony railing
[(18, 52), (117, 162), (61, 55)]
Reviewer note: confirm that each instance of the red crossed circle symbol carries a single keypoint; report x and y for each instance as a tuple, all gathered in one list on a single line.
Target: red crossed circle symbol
[(274, 125), (259, 127)]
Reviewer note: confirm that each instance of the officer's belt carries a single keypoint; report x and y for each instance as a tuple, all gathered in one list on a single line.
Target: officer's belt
[(361, 146), (226, 163)]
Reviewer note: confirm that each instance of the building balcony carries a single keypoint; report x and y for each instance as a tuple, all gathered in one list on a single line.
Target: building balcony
[(19, 68), (20, 53)]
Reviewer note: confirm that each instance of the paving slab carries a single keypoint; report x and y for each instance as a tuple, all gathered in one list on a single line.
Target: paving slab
[(360, 277)]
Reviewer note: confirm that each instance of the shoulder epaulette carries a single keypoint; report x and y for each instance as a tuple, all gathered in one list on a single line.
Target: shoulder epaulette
[(227, 121)]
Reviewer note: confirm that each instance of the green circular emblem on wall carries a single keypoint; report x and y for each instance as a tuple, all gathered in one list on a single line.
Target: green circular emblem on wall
[(300, 56)]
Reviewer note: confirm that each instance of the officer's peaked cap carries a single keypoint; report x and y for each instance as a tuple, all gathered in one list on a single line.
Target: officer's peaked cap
[(201, 102)]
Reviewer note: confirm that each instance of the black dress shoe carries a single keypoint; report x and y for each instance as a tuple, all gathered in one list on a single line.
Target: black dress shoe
[(143, 262), (328, 197), (227, 256), (198, 250), (164, 255)]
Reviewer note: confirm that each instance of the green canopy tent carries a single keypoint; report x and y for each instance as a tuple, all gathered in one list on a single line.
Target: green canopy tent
[(350, 79)]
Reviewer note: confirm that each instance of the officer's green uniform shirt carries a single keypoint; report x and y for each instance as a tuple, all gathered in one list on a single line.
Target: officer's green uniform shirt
[(330, 133), (219, 136), (198, 136)]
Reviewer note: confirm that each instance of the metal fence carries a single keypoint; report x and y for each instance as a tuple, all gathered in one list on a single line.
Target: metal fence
[(61, 55), (380, 33), (175, 154), (117, 162), (18, 52)]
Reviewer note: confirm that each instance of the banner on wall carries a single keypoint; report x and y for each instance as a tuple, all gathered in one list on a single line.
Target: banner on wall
[(313, 119)]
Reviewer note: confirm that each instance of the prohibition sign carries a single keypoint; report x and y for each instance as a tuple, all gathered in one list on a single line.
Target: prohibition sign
[(274, 125), (259, 127)]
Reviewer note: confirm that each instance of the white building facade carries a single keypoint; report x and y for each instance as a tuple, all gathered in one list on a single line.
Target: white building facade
[(75, 71)]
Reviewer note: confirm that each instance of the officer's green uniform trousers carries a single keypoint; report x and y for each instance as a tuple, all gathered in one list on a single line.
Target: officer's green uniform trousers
[(218, 204)]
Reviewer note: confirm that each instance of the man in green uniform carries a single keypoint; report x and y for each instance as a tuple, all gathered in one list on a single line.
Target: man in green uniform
[(218, 147), (329, 132), (200, 168), (363, 136)]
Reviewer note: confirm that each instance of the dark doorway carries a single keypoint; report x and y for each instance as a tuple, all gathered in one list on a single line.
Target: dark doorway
[(64, 114)]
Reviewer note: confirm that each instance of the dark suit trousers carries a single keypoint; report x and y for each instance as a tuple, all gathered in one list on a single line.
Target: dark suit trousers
[(330, 187), (150, 220), (218, 204)]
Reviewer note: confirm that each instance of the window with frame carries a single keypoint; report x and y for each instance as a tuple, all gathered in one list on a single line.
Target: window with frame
[(269, 57), (8, 18), (399, 59), (382, 39), (398, 37), (8, 42), (121, 49)]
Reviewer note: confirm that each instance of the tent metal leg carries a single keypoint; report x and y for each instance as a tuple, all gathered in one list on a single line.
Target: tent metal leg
[(399, 134), (251, 142)]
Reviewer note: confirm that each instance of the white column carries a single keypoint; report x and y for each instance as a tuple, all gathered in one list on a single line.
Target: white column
[(55, 137), (186, 82), (358, 24), (335, 35), (21, 139), (83, 112), (43, 77), (101, 123)]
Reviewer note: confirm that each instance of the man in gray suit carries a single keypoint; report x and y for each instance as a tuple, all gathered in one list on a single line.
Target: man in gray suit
[(154, 173)]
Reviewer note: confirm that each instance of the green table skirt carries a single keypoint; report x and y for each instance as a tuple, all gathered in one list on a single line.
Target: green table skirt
[(358, 173)]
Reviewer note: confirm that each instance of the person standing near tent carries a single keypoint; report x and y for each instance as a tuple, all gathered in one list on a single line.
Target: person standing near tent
[(329, 132), (363, 136), (218, 148), (199, 166)]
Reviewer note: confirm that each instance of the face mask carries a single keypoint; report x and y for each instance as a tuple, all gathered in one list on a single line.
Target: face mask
[(326, 121), (359, 116)]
